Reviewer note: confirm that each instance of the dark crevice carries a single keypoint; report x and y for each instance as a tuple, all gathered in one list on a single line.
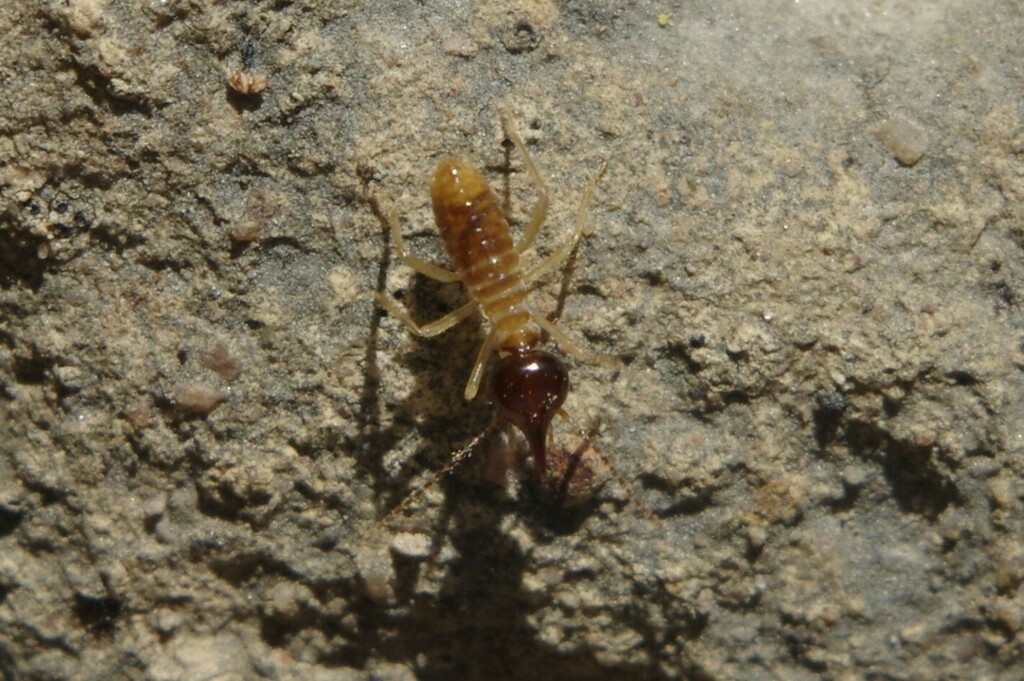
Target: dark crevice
[(735, 397), (283, 241), (225, 506), (964, 378), (681, 351), (104, 236), (1004, 293), (33, 370), (688, 505), (20, 264), (98, 614), (98, 88), (244, 568), (828, 414), (741, 355), (10, 519), (243, 102), (912, 471), (164, 264)]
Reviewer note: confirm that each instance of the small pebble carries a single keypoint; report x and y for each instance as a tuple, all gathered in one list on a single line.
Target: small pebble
[(197, 398), (411, 545), (247, 83), (905, 140)]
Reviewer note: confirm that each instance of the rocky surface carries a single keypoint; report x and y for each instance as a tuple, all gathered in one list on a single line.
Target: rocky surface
[(806, 254)]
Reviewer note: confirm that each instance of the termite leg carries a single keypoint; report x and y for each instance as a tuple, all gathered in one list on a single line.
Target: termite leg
[(560, 254), (431, 329), (566, 342), (439, 326), (540, 209), (476, 375), (425, 268), (418, 264)]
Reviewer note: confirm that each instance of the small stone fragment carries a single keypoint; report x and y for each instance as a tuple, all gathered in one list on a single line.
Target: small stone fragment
[(411, 545), (220, 360), (261, 205), (247, 83), (904, 139), (197, 398)]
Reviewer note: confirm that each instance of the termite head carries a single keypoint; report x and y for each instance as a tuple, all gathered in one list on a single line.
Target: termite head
[(529, 388)]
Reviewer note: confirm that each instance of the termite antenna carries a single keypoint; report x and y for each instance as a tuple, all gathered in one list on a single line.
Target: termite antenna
[(457, 457)]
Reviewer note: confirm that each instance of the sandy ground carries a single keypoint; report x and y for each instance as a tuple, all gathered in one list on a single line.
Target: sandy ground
[(806, 255)]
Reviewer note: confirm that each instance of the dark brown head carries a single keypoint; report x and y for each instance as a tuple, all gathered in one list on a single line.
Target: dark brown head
[(529, 388)]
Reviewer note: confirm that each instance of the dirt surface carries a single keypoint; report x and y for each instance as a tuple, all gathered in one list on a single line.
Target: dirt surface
[(806, 254)]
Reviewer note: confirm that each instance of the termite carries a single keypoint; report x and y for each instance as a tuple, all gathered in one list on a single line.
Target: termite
[(527, 384)]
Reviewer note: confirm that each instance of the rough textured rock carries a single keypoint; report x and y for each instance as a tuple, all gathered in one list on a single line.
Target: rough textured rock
[(203, 415)]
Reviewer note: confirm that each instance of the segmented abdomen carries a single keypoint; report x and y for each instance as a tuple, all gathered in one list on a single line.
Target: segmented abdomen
[(477, 238)]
